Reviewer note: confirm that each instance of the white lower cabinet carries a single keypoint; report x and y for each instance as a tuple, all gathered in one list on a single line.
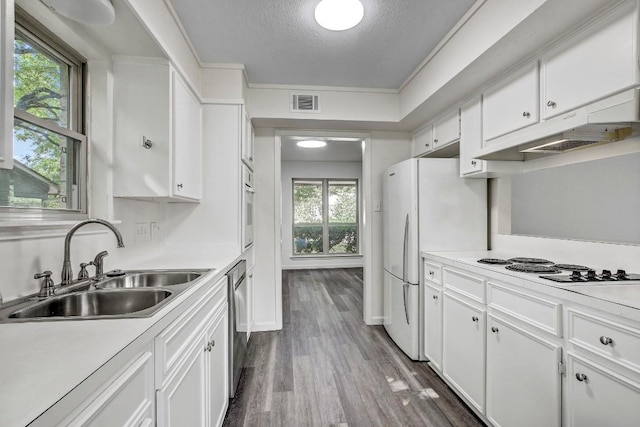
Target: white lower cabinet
[(463, 350), (127, 400), (523, 380), (182, 399), (598, 396), (433, 326), (192, 364)]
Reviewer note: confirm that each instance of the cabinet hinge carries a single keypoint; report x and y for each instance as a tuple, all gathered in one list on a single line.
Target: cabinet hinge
[(561, 368)]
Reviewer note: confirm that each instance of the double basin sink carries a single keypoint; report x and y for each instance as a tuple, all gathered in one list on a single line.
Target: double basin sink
[(131, 294)]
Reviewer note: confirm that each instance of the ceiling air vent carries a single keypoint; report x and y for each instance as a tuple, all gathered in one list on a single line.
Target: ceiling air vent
[(304, 103)]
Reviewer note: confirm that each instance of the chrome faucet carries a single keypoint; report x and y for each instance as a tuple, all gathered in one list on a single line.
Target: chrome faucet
[(67, 272)]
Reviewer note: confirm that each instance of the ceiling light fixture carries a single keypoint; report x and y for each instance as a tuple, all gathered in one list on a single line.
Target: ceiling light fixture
[(339, 15), (90, 12), (311, 144)]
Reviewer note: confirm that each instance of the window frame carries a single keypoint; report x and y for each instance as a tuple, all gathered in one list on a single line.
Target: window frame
[(325, 217), (76, 130)]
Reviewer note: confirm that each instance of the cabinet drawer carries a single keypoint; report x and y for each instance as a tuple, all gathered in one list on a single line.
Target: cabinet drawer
[(614, 341), (171, 343), (127, 401), (470, 286), (432, 273), (535, 311)]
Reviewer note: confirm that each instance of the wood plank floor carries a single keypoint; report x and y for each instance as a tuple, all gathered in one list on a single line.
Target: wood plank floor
[(327, 368)]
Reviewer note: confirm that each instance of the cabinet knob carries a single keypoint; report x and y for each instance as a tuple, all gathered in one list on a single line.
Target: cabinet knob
[(475, 318), (431, 273), (179, 185), (426, 145), (494, 329), (606, 340), (435, 297), (473, 162), (435, 141), (582, 377), (551, 104), (526, 114)]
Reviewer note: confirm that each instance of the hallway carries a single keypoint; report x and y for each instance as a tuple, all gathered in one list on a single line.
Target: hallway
[(326, 367)]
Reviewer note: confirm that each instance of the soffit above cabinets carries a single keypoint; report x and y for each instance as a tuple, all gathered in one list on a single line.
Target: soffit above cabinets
[(279, 42)]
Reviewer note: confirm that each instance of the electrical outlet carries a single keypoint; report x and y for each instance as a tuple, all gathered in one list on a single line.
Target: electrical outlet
[(143, 232), (155, 231)]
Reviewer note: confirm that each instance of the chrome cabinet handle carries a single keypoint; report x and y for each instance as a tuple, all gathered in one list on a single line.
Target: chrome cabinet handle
[(435, 141), (582, 377), (526, 114), (179, 185), (475, 318), (551, 104), (473, 162), (435, 297), (606, 340), (494, 329), (426, 145), (210, 345)]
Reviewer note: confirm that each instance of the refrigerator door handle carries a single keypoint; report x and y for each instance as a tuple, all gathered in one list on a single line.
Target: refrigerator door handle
[(405, 249), (405, 292)]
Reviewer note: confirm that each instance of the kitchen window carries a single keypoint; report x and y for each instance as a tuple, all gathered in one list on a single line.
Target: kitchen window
[(48, 177), (325, 217)]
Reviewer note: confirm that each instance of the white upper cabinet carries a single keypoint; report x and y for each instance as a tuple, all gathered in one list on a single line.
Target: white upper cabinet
[(470, 136), (247, 140), (421, 143), (158, 133), (593, 63), (446, 130), (512, 104)]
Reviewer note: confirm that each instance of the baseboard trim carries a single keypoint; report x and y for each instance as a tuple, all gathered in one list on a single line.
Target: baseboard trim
[(319, 267), (377, 320), (266, 326)]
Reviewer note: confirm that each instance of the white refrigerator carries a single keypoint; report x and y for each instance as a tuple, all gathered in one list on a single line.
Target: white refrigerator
[(426, 207)]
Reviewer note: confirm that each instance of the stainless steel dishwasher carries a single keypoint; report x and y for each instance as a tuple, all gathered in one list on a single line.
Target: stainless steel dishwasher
[(237, 288)]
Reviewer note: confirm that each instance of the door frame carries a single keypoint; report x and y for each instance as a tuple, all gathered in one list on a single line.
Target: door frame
[(366, 211)]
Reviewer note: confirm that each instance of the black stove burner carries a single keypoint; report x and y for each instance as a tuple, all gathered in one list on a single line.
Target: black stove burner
[(571, 267), (591, 276), (530, 260), (496, 261), (532, 268)]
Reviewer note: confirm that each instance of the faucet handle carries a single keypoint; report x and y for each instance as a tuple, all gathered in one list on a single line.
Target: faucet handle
[(98, 262), (46, 287), (83, 274)]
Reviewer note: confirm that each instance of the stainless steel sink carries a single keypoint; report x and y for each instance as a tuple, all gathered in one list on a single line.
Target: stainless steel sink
[(132, 294), (148, 279), (93, 304)]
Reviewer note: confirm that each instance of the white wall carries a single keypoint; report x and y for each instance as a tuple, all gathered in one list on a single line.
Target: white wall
[(292, 170)]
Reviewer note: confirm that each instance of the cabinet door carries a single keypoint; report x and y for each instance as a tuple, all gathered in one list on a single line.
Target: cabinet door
[(446, 130), (511, 105), (433, 326), (523, 381), (470, 136), (463, 349), (596, 62), (182, 401), (247, 140), (141, 94), (218, 368), (187, 141), (422, 142), (596, 396)]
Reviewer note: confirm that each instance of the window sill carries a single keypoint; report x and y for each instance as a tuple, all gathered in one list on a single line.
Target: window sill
[(25, 229), (299, 257)]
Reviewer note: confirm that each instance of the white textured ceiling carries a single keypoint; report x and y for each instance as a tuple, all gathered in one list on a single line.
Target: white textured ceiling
[(335, 151), (279, 41)]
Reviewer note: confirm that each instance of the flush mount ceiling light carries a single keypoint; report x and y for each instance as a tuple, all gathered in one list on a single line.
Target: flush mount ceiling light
[(311, 143), (90, 12), (339, 15)]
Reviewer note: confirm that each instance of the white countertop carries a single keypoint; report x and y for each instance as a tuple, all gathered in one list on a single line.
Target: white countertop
[(617, 297), (40, 362)]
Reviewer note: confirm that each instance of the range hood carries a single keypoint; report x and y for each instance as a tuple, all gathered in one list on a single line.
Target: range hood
[(609, 120)]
